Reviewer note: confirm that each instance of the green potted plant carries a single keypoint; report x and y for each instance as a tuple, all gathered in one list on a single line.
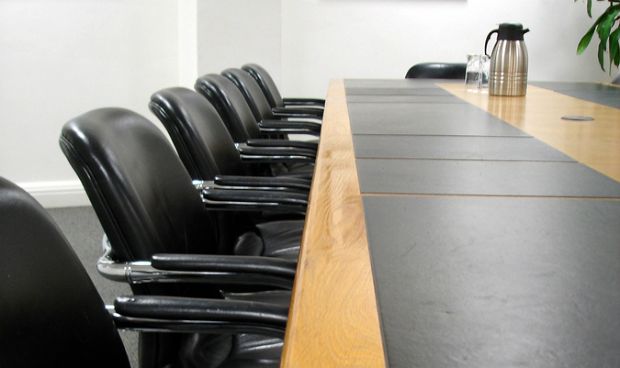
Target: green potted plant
[(609, 38)]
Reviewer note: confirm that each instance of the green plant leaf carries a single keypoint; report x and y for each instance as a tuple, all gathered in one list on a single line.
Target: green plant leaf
[(590, 8), (606, 23), (585, 40), (601, 55), (614, 48), (604, 26)]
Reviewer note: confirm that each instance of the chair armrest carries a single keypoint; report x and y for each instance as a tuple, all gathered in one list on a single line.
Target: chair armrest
[(262, 182), (274, 155), (254, 200), (303, 101), (297, 112), (290, 127), (281, 150), (180, 314), (276, 274), (225, 263), (257, 142)]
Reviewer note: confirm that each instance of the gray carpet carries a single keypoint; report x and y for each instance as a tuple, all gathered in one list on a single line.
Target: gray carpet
[(82, 229)]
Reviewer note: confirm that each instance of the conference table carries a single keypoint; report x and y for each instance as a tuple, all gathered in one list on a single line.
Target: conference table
[(448, 228)]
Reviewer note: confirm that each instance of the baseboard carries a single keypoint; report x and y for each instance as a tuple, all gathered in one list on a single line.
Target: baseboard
[(53, 194)]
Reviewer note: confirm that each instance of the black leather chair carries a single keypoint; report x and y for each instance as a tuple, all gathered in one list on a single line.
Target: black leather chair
[(258, 102), (272, 93), (147, 204), (208, 150), (209, 154), (239, 118), (52, 316), (437, 71), (244, 128)]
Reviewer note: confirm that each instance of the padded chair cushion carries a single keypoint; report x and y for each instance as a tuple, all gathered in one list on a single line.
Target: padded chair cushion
[(298, 170), (276, 239), (282, 238), (254, 351), (249, 244), (242, 350), (219, 351)]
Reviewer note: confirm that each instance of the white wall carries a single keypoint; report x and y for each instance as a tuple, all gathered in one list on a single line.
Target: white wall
[(323, 39), (235, 32), (187, 23), (64, 57)]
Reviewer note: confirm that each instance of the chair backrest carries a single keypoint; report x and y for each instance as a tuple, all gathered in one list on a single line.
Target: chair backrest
[(616, 80), (141, 192), (50, 314), (198, 133), (252, 92), (230, 104), (266, 83), (437, 71)]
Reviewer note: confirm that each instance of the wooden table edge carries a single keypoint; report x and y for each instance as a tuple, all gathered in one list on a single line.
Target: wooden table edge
[(333, 317)]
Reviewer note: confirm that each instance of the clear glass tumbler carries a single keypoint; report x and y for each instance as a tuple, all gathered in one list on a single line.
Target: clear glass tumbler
[(477, 73)]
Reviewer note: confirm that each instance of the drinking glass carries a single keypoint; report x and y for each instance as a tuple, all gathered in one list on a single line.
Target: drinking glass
[(477, 73)]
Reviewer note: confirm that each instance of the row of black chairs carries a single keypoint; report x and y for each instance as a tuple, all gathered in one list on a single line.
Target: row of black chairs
[(209, 252), (206, 233)]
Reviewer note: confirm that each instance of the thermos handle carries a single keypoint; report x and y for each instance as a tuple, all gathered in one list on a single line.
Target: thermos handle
[(487, 41)]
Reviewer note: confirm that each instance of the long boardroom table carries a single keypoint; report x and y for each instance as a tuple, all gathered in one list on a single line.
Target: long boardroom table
[(453, 229)]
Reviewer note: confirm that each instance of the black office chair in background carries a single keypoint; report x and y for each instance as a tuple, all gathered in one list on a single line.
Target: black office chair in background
[(272, 93), (209, 152), (437, 71), (239, 118), (616, 80), (244, 128), (258, 103), (52, 316)]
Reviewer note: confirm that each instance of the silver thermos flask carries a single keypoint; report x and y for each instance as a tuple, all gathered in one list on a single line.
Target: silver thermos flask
[(508, 74)]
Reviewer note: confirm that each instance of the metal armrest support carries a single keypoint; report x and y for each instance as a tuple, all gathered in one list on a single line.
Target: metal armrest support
[(278, 150), (297, 112), (290, 127), (303, 101), (258, 142), (178, 314), (254, 200), (245, 270), (274, 155), (261, 183), (225, 263)]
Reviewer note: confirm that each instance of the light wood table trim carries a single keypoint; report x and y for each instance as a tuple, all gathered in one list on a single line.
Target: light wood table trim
[(595, 144), (333, 319)]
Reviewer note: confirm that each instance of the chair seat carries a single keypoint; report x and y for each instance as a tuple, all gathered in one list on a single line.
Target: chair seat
[(281, 238), (254, 351), (238, 351), (228, 351), (301, 170), (274, 239)]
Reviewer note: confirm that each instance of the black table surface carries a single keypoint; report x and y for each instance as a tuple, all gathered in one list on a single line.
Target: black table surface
[(489, 248)]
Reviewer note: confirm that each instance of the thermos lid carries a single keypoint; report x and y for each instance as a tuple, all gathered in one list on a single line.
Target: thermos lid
[(511, 31)]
